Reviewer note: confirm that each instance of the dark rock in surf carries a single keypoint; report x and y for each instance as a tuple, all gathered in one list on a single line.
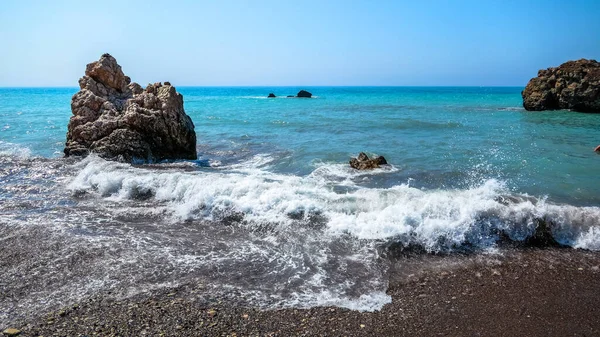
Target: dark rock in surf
[(290, 96), (120, 120), (304, 94), (363, 162), (271, 95), (573, 85), (542, 235)]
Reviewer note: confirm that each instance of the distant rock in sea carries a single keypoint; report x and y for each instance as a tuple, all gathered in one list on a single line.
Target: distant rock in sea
[(573, 85), (120, 120), (304, 94), (290, 96), (271, 95), (363, 162)]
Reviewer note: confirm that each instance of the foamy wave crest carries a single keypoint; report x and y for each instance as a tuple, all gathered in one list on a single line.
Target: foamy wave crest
[(589, 240), (260, 160), (367, 302), (434, 219), (343, 174), (14, 150)]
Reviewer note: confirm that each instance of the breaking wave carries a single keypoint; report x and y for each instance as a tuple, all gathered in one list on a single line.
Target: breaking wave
[(435, 219), (272, 240)]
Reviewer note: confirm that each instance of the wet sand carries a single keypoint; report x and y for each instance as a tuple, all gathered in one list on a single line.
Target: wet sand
[(520, 292)]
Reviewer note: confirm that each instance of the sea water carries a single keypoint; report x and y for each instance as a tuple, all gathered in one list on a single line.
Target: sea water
[(271, 213)]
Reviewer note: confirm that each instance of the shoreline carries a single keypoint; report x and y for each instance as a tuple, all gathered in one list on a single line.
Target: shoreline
[(527, 291)]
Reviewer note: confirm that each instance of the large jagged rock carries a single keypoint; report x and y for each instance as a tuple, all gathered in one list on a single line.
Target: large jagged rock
[(121, 121), (363, 162), (573, 85)]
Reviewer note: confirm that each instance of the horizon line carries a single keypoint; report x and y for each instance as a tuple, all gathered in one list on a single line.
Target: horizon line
[(291, 86)]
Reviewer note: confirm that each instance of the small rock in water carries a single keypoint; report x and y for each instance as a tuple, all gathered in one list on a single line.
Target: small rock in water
[(291, 96), (363, 162), (272, 95), (11, 332), (304, 94)]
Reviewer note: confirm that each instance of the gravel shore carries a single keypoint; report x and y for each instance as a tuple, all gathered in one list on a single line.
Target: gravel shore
[(524, 292)]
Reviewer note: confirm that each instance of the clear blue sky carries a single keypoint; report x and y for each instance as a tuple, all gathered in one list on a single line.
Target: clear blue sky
[(346, 42)]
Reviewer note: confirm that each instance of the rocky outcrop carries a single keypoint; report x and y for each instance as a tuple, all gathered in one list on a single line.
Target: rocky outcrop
[(363, 162), (573, 85), (304, 94), (120, 120), (271, 95)]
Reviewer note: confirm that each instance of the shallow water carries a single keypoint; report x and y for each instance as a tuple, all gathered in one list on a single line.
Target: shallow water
[(270, 211)]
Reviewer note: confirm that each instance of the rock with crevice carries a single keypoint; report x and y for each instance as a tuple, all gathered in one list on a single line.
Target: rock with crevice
[(573, 85), (363, 162), (120, 120)]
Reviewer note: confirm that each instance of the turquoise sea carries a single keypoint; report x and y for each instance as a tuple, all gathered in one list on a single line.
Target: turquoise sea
[(272, 213), (438, 137)]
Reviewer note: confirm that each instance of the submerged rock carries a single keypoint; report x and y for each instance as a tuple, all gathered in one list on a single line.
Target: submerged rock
[(304, 94), (290, 96), (542, 235), (363, 162), (120, 120), (272, 95), (573, 85)]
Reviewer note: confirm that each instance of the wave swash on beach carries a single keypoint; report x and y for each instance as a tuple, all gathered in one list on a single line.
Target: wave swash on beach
[(267, 239), (271, 216)]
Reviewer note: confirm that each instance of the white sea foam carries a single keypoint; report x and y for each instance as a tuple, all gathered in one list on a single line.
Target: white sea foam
[(14, 150), (303, 266), (424, 216), (589, 239), (343, 174), (369, 302), (261, 160)]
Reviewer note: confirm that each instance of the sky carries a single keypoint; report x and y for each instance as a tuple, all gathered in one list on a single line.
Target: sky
[(280, 43)]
